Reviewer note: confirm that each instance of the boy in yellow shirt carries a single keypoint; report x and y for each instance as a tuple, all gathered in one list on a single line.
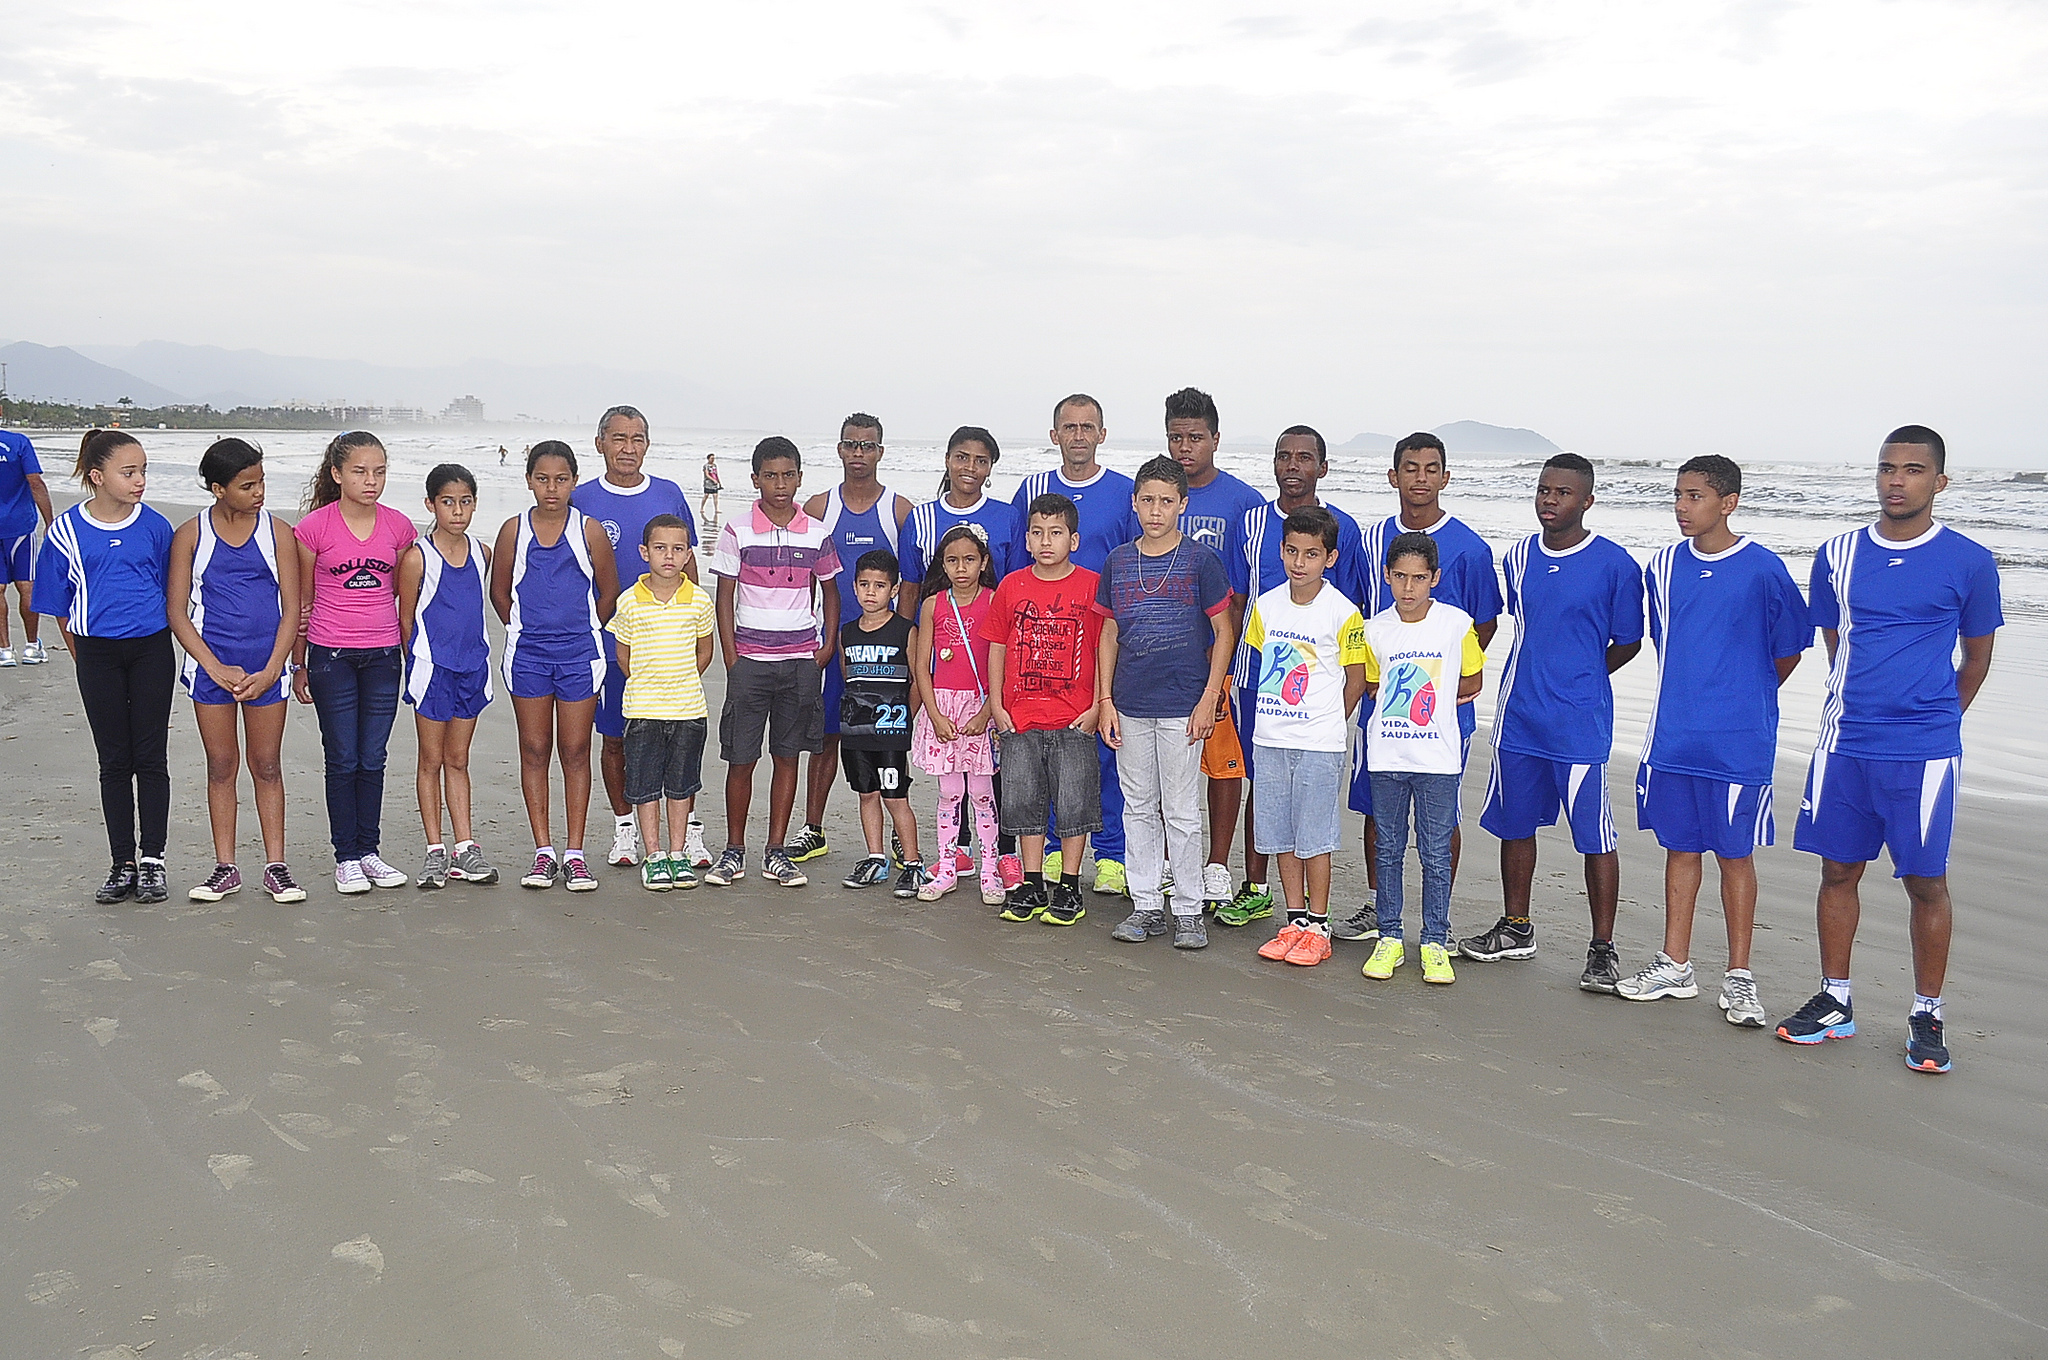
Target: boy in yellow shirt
[(663, 628)]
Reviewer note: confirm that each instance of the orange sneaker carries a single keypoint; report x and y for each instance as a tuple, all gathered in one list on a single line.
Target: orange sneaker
[(1281, 945), (1311, 947)]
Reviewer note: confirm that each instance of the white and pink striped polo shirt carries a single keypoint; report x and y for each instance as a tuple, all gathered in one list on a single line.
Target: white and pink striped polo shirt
[(775, 568)]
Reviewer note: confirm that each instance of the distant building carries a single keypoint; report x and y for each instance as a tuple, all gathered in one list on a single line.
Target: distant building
[(464, 408)]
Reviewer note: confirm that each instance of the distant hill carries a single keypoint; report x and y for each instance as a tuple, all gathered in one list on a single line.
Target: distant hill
[(1368, 443), (59, 374), (1460, 436)]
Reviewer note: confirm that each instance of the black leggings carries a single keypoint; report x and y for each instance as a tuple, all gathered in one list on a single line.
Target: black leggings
[(126, 684)]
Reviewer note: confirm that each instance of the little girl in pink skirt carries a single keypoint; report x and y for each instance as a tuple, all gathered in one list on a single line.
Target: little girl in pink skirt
[(950, 735)]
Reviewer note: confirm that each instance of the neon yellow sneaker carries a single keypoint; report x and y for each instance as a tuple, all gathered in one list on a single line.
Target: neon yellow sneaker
[(1436, 965), (1387, 955), (1109, 878), (1054, 863)]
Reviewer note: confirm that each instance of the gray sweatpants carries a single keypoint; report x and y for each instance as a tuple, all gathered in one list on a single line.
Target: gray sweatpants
[(1161, 775)]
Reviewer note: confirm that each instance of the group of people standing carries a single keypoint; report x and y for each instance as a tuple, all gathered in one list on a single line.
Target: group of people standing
[(1094, 664)]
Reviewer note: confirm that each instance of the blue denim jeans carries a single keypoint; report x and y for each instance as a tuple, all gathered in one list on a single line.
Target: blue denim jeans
[(1435, 801), (355, 693)]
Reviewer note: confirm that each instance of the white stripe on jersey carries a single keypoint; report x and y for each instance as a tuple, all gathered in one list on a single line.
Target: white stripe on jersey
[(579, 547), (202, 555), (1514, 566), (431, 566), (1840, 553), (65, 534), (1659, 574)]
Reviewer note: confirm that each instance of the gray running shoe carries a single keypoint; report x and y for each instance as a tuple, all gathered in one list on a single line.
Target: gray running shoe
[(434, 873), (731, 866), (1739, 999), (1603, 969), (1500, 941), (152, 884), (471, 867), (1139, 926), (1662, 978), (1363, 924), (1191, 931), (776, 868)]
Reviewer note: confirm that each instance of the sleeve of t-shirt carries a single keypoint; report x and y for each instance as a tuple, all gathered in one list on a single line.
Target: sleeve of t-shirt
[(1791, 630), (1354, 574), (1212, 582), (1482, 586), (1235, 546), (1474, 659), (311, 531), (621, 626), (1650, 598), (682, 512), (1511, 595), (1352, 648), (1247, 662), (725, 560), (826, 565), (404, 533), (1002, 610), (1821, 605), (910, 562), (1019, 555), (1105, 593), (1625, 621), (30, 464), (706, 619), (1372, 665), (1982, 612), (52, 591)]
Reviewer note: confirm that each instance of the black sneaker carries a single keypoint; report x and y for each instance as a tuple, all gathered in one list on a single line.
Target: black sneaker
[(1603, 969), (1822, 1018), (119, 887), (870, 871), (1025, 903), (1502, 941), (1066, 908), (152, 884), (776, 868), (1362, 925), (910, 880), (1925, 1052), (807, 843)]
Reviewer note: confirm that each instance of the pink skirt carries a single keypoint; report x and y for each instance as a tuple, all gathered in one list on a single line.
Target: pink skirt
[(962, 755)]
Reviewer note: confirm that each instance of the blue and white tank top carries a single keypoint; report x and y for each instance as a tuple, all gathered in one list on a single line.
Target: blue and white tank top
[(554, 600), (448, 622), (235, 603), (855, 533)]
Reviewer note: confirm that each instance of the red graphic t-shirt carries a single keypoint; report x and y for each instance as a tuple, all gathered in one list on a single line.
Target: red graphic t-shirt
[(1048, 630)]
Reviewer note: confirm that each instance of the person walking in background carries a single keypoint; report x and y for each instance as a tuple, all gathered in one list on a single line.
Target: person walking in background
[(347, 653), (1577, 602), (1163, 663), (874, 717), (1102, 505), (623, 502), (23, 497), (103, 574), (772, 564), (442, 598), (1893, 600), (234, 608), (554, 585), (861, 516), (1217, 505), (707, 508), (663, 628), (1728, 625), (950, 732)]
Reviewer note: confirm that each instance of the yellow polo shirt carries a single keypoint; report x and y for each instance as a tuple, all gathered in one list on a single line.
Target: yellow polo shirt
[(663, 683)]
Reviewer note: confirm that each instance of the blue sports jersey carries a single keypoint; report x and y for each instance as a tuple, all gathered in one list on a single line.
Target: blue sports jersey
[(1898, 609), (17, 462), (1720, 623), (1104, 502), (105, 580), (1215, 513), (854, 535), (1469, 581), (624, 511), (1555, 699), (929, 522), (1255, 565)]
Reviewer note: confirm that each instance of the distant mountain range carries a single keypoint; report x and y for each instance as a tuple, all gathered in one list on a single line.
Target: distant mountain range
[(1461, 436)]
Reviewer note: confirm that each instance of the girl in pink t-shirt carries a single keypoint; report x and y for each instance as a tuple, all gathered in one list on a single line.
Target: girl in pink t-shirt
[(349, 550), (949, 737)]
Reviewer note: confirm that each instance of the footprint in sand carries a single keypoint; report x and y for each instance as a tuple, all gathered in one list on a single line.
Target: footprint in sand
[(200, 1281)]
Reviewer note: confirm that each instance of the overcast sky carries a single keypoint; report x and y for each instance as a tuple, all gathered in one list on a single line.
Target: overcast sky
[(1758, 227)]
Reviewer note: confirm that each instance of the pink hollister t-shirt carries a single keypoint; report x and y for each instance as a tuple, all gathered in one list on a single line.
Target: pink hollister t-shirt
[(355, 581)]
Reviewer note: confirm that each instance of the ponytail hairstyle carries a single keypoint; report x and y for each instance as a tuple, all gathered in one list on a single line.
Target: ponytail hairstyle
[(225, 460), (935, 578), (969, 434), (552, 448), (444, 473), (325, 488), (96, 448)]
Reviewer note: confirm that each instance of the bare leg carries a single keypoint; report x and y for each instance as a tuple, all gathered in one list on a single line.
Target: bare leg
[(1372, 854), (433, 742), (31, 622), (1316, 873), (455, 774), (1224, 797), (871, 822), (1031, 852), (223, 766), (739, 797), (1738, 905), (1603, 891), (536, 721), (1071, 848), (781, 798), (1683, 871), (1837, 913), (572, 740), (1254, 862), (1457, 848), (611, 759), (649, 817), (818, 783), (263, 730), (678, 824), (1517, 875), (905, 820), (1933, 923), (1291, 885)]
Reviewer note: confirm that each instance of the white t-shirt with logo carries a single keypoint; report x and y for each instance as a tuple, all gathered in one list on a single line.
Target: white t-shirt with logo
[(1413, 723), (1296, 657)]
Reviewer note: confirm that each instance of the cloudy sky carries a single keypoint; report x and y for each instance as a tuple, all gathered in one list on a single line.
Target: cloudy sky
[(1763, 227)]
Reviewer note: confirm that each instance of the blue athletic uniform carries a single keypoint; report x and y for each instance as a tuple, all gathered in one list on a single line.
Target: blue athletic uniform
[(1215, 513), (1720, 623), (1104, 505), (854, 535), (1553, 722), (1468, 583), (623, 513), (1890, 752), (448, 662), (17, 506), (995, 524), (551, 641), (105, 580), (236, 607)]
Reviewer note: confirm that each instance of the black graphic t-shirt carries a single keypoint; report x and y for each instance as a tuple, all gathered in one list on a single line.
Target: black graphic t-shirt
[(874, 711)]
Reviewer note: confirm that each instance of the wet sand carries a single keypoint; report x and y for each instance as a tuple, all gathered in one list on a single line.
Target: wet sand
[(759, 1121)]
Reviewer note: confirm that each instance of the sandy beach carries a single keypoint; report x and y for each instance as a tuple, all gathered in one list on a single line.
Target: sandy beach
[(764, 1122)]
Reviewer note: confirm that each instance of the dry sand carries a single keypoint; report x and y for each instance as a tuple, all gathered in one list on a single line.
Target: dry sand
[(762, 1122)]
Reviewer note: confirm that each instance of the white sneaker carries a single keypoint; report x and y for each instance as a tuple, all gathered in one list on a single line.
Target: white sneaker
[(1215, 883), (1739, 999), (348, 877), (625, 843), (380, 873), (34, 655), (693, 846), (1661, 979), (7, 657)]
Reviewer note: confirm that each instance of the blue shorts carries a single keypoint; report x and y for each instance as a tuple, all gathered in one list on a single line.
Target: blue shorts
[(1694, 815), (454, 695), (1855, 806), (1361, 778), (203, 690), (567, 681), (1527, 792), (611, 697), (835, 687), (17, 558), (1295, 811)]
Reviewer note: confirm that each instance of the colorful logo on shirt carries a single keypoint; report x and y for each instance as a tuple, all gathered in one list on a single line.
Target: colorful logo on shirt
[(1408, 690), (1288, 668)]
